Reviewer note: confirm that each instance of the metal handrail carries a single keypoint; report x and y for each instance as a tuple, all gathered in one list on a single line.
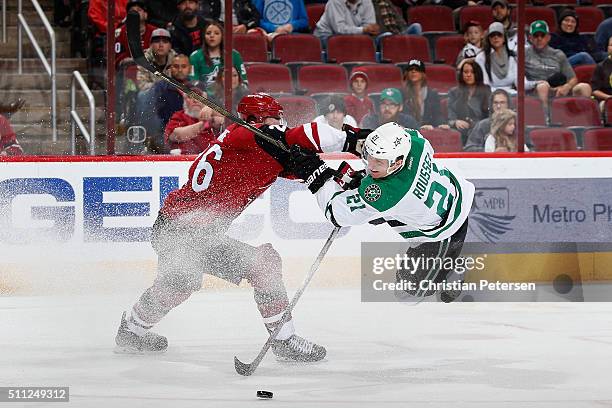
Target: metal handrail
[(3, 21), (74, 116), (51, 71)]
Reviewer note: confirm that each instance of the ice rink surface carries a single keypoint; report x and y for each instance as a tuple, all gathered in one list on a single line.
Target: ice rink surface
[(379, 354)]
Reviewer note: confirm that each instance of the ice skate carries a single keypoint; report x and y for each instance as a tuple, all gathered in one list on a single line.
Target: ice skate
[(296, 348), (130, 342)]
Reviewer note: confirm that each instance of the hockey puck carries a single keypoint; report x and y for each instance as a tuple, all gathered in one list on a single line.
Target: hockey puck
[(264, 394)]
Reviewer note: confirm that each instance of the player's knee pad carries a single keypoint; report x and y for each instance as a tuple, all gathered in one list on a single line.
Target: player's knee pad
[(267, 272)]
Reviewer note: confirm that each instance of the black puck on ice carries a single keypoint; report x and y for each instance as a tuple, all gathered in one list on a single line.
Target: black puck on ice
[(264, 394)]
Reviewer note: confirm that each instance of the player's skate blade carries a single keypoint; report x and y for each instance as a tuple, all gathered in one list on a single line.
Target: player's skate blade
[(129, 342), (296, 348)]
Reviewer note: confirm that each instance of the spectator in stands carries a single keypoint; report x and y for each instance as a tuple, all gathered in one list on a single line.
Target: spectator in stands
[(165, 100), (347, 17), (390, 110), (502, 14), (333, 113), (122, 50), (468, 102), (358, 103), (187, 27), (503, 133), (602, 78), (603, 33), (191, 129), (9, 108), (161, 12), (497, 62), (282, 16), (216, 91), (422, 102), (9, 146), (160, 54), (548, 70), (473, 36), (389, 19), (568, 39), (97, 13), (500, 99), (208, 60), (245, 16)]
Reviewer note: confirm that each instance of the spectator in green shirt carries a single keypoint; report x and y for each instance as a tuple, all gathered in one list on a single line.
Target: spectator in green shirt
[(207, 62)]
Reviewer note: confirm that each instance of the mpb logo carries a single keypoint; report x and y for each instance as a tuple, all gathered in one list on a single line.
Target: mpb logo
[(490, 214)]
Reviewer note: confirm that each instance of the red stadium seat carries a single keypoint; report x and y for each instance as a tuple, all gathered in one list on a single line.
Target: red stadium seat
[(534, 111), (314, 12), (539, 13), (432, 18), (270, 78), (598, 139), (551, 2), (448, 47), (381, 76), (607, 111), (481, 14), (322, 78), (590, 18), (584, 73), (298, 109), (252, 47), (350, 48), (575, 111), (441, 77), (553, 139), (403, 48), (296, 48), (444, 140)]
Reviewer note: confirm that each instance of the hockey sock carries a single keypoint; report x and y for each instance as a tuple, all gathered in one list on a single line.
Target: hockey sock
[(285, 332)]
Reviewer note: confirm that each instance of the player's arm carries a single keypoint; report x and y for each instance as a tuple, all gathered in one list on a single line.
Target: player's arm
[(323, 138)]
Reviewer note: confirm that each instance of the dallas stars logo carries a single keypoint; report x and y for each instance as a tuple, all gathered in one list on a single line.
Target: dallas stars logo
[(372, 192)]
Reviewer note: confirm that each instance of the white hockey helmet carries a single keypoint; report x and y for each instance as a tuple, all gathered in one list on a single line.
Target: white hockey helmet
[(389, 142)]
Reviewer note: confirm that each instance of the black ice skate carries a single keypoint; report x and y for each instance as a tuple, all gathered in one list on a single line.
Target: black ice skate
[(130, 342), (296, 348)]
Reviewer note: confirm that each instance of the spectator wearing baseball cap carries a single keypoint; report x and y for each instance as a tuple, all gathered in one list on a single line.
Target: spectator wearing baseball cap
[(421, 102), (358, 103), (389, 110), (160, 54), (578, 49), (333, 113), (502, 14), (473, 35), (498, 62), (547, 69), (122, 52)]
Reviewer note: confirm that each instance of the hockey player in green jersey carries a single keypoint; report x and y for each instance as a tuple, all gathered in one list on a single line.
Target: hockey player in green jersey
[(405, 188)]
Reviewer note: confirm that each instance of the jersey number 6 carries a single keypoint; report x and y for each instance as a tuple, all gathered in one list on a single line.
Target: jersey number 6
[(206, 167)]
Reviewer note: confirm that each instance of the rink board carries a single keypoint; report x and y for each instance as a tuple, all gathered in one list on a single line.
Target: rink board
[(94, 215)]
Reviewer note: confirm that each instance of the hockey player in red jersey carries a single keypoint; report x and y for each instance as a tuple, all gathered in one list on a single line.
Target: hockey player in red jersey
[(189, 233)]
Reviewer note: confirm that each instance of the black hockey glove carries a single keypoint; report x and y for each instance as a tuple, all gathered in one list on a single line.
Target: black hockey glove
[(276, 132), (308, 166), (354, 139)]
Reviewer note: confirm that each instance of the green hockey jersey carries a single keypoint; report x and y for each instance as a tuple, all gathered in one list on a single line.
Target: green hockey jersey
[(422, 202)]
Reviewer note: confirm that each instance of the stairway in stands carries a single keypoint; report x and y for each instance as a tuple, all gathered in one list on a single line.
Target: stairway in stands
[(33, 122)]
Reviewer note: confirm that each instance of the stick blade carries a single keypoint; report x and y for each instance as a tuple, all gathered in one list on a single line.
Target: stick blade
[(134, 41), (242, 368)]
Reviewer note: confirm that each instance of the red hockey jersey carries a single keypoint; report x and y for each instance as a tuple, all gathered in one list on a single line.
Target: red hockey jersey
[(234, 170)]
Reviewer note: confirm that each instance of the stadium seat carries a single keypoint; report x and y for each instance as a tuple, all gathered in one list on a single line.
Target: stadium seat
[(314, 12), (432, 18), (584, 73), (553, 140), (448, 47), (590, 18), (575, 111), (350, 48), (607, 112), (381, 76), (443, 140), (252, 47), (322, 78), (296, 48), (481, 14), (444, 109), (597, 139), (551, 2), (298, 109), (403, 48), (534, 111), (270, 78), (539, 13), (441, 77)]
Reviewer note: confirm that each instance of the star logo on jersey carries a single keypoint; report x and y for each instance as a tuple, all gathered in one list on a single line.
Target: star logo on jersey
[(372, 192)]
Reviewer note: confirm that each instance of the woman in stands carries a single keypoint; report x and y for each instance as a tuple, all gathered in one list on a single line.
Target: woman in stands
[(239, 89), (497, 62), (208, 61), (503, 133), (422, 102), (468, 102)]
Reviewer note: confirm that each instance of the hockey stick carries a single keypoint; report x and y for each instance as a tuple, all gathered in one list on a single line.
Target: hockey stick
[(248, 369), (135, 45)]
